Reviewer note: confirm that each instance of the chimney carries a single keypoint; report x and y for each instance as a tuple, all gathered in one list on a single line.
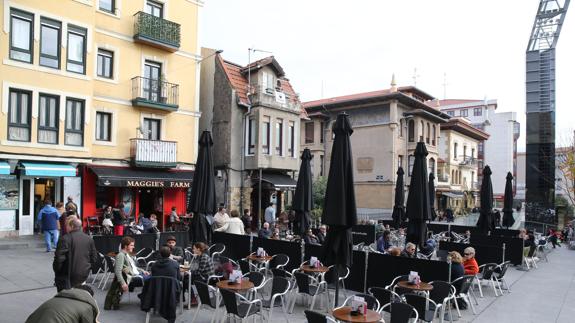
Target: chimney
[(393, 83)]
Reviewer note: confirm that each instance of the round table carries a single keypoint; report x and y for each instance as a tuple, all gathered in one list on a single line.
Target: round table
[(184, 268), (343, 314), (253, 257), (244, 285), (421, 287), (315, 270)]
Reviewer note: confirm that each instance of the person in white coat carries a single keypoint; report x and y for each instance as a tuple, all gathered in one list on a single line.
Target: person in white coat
[(233, 225)]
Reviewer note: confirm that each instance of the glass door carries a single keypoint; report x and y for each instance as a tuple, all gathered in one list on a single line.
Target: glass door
[(152, 86)]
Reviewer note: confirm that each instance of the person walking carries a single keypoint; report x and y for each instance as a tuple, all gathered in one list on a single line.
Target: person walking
[(118, 220), (71, 205), (247, 220), (221, 218), (74, 257), (270, 215), (63, 216), (48, 219)]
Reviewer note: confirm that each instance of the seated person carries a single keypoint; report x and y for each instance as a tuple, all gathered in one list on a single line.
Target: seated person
[(177, 252), (394, 251), (429, 247), (265, 231), (70, 305), (174, 217), (126, 275), (409, 251), (145, 223), (310, 238), (470, 264), (322, 234), (205, 267), (457, 269), (166, 266), (384, 242), (275, 234)]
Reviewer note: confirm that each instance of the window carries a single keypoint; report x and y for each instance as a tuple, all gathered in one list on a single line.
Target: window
[(422, 129), (321, 165), (152, 86), (450, 113), (266, 136), (410, 160), (291, 138), (321, 131), (251, 136), (480, 148), (154, 8), (411, 131), (76, 60), (428, 134), (267, 83), (464, 152), (105, 66), (153, 128), (21, 35), (108, 5), (431, 166), (400, 128), (477, 112), (399, 161), (74, 134), (472, 152), (48, 119), (103, 126), (434, 136), (455, 151), (50, 43), (19, 115), (279, 137), (463, 113), (309, 132)]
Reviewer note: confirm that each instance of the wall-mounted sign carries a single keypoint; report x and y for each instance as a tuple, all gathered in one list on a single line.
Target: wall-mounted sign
[(9, 192), (144, 183)]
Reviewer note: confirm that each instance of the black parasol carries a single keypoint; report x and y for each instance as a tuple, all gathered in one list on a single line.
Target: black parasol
[(203, 192), (418, 207), (486, 223), (303, 196), (508, 219), (398, 214)]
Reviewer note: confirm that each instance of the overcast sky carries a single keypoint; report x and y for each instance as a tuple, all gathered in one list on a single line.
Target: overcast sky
[(332, 48)]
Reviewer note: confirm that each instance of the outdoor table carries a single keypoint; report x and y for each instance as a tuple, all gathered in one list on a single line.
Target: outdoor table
[(344, 314), (237, 287), (314, 270), (254, 257), (421, 287)]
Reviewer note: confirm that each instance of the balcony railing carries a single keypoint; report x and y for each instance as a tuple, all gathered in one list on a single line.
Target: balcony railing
[(274, 99), (153, 153), (153, 93), (468, 161), (156, 31), (443, 178)]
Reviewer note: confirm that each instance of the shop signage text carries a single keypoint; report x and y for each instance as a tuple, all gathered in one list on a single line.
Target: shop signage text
[(147, 183)]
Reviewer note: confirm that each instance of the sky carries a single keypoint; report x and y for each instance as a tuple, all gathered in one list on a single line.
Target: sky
[(459, 49)]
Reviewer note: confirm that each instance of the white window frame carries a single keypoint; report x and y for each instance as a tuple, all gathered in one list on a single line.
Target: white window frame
[(115, 62), (163, 124), (116, 14), (113, 126)]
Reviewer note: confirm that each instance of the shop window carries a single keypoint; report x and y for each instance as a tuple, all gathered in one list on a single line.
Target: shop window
[(19, 115), (102, 195), (103, 126), (48, 120), (74, 133), (50, 43), (76, 59), (21, 35)]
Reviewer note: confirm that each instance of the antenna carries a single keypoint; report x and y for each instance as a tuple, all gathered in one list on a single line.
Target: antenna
[(415, 76), (445, 84)]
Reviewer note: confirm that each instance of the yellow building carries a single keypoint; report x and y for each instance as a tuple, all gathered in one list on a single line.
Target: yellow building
[(98, 102)]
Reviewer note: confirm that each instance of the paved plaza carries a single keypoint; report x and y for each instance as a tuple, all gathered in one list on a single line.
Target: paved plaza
[(545, 294)]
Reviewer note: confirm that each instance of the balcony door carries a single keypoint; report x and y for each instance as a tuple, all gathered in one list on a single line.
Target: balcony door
[(154, 8), (152, 81), (152, 129)]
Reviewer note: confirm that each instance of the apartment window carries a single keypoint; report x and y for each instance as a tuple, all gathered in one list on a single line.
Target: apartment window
[(464, 152), (251, 136), (108, 5), (434, 136), (267, 83), (399, 161), (321, 132), (400, 128), (321, 170), (266, 136), (21, 35), (19, 115), (410, 160), (463, 113), (152, 129), (291, 138), (279, 137), (472, 152), (411, 131), (152, 85), (50, 43), (48, 119), (480, 147), (431, 166), (103, 126), (309, 129), (105, 64), (76, 60), (74, 134), (477, 112), (422, 129), (154, 8), (455, 151), (428, 134), (450, 113)]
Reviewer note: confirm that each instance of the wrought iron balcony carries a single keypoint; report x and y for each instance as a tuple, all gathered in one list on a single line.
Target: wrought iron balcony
[(153, 93), (153, 153), (156, 31), (468, 161)]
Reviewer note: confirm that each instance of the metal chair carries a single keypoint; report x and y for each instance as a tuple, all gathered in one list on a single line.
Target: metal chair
[(372, 302), (259, 281), (442, 294), (110, 263), (486, 274), (462, 289), (245, 308), (280, 288), (100, 268), (207, 296), (246, 266), (394, 282), (330, 275), (402, 313), (93, 224), (384, 296), (422, 306), (311, 286), (216, 250), (277, 262), (499, 276), (315, 317)]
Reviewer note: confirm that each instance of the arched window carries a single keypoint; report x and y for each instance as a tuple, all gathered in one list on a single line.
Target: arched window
[(452, 176), (411, 131), (428, 134), (434, 136), (421, 132)]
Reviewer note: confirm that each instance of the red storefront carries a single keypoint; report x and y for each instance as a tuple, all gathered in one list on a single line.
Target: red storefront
[(139, 190)]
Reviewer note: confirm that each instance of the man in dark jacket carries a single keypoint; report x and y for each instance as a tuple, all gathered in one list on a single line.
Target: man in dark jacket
[(74, 257), (165, 266), (76, 305)]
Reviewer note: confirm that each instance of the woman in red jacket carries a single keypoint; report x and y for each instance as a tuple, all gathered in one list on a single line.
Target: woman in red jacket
[(470, 264)]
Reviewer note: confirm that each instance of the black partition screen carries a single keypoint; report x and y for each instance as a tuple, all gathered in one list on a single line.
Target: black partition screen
[(513, 246), (382, 269), (237, 246), (483, 254), (272, 247), (105, 244), (182, 238), (147, 240)]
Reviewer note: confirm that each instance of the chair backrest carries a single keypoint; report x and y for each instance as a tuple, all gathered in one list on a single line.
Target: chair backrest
[(502, 269), (280, 273), (315, 317), (302, 281), (384, 296), (280, 285), (399, 279), (244, 266), (488, 270), (230, 301), (402, 313), (255, 277), (462, 284), (204, 293), (418, 302), (279, 261), (110, 262), (330, 275), (144, 252), (441, 290), (169, 290), (93, 220), (216, 249)]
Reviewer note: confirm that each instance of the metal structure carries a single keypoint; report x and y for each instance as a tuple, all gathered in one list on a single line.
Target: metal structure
[(540, 111)]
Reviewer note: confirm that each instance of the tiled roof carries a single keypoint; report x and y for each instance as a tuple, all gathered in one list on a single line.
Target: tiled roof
[(457, 101), (464, 127), (407, 90)]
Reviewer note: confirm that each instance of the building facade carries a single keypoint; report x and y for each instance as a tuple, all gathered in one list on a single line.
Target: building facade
[(387, 125), (98, 103), (254, 116), (456, 181), (500, 151)]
